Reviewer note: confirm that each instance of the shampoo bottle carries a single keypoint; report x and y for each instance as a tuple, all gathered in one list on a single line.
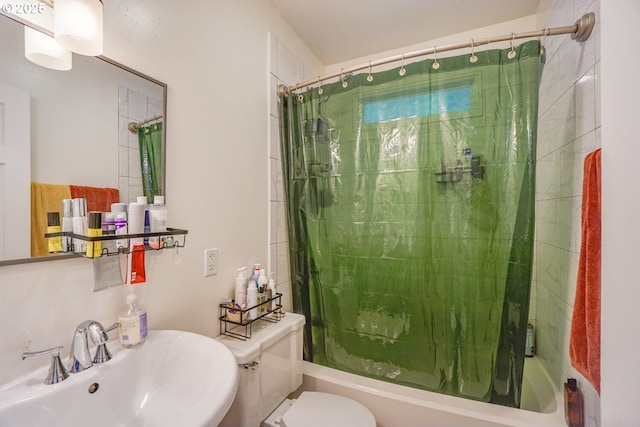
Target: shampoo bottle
[(573, 405), (132, 320)]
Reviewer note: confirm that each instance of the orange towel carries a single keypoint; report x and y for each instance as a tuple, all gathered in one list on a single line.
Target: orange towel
[(98, 199), (584, 341)]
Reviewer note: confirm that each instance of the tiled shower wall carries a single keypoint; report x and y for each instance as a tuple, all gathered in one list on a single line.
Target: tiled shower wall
[(133, 106), (568, 129), (284, 68)]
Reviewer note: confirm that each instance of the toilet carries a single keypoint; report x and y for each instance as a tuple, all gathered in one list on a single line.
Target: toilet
[(270, 369)]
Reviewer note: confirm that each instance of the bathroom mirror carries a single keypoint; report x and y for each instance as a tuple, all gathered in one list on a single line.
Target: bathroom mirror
[(76, 131)]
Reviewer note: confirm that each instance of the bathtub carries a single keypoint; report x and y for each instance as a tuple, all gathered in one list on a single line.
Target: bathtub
[(399, 406)]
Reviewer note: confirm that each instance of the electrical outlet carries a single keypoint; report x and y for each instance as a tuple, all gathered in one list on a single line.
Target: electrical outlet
[(210, 262)]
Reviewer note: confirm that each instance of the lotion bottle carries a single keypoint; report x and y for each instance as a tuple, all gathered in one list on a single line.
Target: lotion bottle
[(132, 329)]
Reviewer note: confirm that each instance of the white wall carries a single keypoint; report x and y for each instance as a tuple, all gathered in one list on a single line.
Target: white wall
[(620, 212), (214, 60)]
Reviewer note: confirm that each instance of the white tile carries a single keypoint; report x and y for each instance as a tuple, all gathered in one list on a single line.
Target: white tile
[(290, 68), (123, 101), (585, 99), (272, 53), (273, 177), (284, 274), (273, 222), (135, 169), (274, 137), (137, 106), (123, 161), (273, 98), (281, 223)]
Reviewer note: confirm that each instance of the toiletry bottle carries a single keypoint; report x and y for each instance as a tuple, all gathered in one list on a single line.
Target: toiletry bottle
[(142, 200), (136, 222), (241, 288), (120, 229), (263, 285), (132, 329), (256, 272), (157, 221), (252, 299), (53, 226), (573, 405), (79, 223), (109, 230), (94, 248), (271, 293), (67, 225), (529, 347), (120, 209)]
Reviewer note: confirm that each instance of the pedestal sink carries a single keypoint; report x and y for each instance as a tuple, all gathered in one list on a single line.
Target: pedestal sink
[(174, 379)]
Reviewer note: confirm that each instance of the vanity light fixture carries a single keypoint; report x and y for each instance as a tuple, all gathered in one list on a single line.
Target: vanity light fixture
[(78, 25), (43, 50)]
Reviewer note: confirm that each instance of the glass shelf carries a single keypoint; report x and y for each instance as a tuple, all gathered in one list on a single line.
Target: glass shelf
[(178, 239)]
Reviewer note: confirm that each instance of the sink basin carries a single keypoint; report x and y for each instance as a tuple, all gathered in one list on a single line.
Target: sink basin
[(174, 379)]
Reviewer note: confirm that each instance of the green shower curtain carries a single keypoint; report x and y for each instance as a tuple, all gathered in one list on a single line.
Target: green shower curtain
[(150, 142), (410, 208)]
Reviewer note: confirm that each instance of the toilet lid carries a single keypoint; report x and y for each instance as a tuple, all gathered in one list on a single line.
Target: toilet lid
[(316, 409)]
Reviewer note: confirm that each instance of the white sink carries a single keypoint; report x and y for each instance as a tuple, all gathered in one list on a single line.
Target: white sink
[(175, 379)]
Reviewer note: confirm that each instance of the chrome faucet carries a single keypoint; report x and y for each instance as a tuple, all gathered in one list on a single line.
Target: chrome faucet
[(79, 356)]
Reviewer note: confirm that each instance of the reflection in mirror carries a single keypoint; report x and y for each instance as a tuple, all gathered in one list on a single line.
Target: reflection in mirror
[(71, 129)]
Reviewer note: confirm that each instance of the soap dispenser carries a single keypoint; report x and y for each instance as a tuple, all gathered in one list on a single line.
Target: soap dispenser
[(132, 328)]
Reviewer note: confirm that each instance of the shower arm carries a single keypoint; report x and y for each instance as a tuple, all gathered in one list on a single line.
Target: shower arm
[(580, 31)]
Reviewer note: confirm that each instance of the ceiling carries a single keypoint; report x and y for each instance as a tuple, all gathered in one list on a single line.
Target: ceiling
[(340, 30)]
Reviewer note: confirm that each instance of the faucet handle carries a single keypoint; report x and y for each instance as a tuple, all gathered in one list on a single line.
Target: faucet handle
[(102, 352), (57, 372)]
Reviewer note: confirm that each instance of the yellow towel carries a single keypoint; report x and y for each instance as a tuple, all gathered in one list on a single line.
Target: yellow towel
[(44, 198)]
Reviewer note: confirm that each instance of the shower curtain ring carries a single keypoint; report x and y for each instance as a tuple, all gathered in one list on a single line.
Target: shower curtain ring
[(402, 71), (473, 58), (512, 53), (320, 86), (369, 77), (344, 82), (436, 64)]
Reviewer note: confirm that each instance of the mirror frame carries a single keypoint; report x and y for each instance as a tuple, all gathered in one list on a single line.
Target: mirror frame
[(58, 257)]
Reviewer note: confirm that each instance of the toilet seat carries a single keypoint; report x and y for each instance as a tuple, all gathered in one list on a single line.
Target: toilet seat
[(317, 409)]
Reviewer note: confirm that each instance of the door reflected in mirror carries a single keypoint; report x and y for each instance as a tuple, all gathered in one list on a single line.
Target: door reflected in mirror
[(72, 128)]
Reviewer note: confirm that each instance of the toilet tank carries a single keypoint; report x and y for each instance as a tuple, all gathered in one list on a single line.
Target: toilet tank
[(270, 368)]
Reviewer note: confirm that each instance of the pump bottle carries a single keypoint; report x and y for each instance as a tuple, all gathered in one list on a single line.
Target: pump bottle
[(132, 329)]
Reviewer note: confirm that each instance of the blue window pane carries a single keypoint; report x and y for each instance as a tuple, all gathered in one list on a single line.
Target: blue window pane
[(444, 101)]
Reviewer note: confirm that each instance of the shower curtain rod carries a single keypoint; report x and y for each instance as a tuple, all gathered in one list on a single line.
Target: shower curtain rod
[(580, 31), (134, 127)]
